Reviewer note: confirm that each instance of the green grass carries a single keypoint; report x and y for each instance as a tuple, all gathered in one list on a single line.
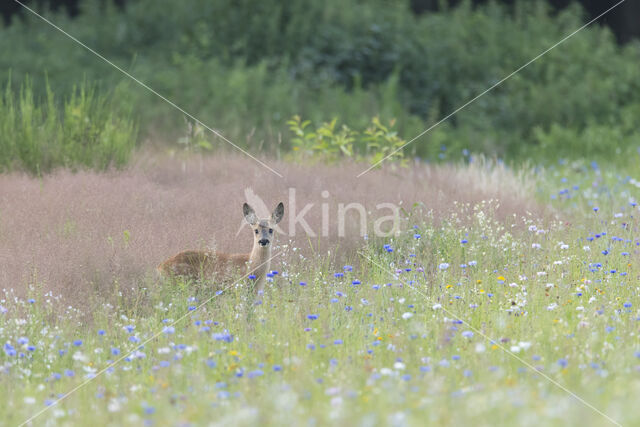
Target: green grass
[(561, 309), (84, 130)]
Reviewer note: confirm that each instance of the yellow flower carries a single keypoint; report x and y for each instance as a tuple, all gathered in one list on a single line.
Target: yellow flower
[(501, 278)]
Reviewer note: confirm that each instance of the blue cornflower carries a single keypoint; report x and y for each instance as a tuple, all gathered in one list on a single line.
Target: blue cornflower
[(312, 316), (348, 308), (130, 328), (168, 330), (191, 307), (252, 277), (211, 363), (425, 368), (101, 332), (443, 266), (31, 300), (69, 373), (455, 357), (356, 282), (467, 334), (627, 304), (31, 348), (347, 268), (224, 336), (303, 283), (464, 241), (134, 339), (164, 363), (416, 236), (277, 368), (338, 275), (9, 350), (115, 351), (338, 342), (563, 363), (77, 343)]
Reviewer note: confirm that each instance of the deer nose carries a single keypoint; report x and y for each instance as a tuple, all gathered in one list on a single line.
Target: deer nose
[(263, 242)]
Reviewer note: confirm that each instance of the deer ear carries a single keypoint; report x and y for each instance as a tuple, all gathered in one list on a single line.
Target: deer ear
[(249, 214), (278, 213)]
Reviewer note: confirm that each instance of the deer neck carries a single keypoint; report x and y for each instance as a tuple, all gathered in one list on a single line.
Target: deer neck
[(259, 262)]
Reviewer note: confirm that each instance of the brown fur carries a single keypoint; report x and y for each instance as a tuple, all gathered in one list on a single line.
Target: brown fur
[(219, 265)]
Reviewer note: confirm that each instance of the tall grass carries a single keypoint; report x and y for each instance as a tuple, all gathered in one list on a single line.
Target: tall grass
[(422, 329), (84, 130)]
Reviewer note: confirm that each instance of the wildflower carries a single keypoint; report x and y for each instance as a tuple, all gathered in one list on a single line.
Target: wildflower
[(338, 275), (338, 342), (224, 336), (252, 277), (563, 363), (115, 351), (9, 350), (254, 374), (347, 268), (467, 334), (303, 283), (437, 306), (101, 332), (356, 282), (407, 315), (464, 241), (627, 305), (77, 343), (169, 330), (277, 368), (312, 316), (443, 266)]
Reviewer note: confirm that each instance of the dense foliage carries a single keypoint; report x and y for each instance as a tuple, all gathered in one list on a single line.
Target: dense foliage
[(83, 130), (246, 68)]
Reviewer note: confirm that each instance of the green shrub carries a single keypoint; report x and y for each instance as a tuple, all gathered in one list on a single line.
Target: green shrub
[(83, 131), (245, 67), (376, 142)]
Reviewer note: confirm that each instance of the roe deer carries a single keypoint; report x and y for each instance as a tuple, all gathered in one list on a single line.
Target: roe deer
[(207, 264)]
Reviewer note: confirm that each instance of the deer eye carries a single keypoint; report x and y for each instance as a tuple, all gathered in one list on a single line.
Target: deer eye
[(256, 230), (271, 231)]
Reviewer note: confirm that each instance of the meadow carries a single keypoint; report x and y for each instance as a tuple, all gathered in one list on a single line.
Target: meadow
[(477, 311), (503, 292)]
